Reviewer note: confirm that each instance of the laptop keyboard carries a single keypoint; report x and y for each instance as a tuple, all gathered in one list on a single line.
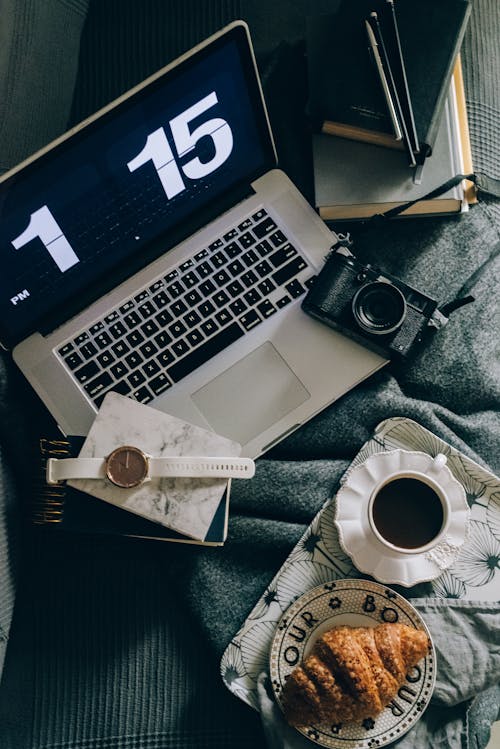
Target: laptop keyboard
[(170, 328)]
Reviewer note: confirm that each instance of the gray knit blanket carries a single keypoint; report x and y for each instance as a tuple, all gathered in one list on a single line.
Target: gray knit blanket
[(116, 642)]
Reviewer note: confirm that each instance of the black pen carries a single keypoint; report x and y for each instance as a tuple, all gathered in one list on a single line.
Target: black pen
[(395, 29), (375, 25), (383, 80)]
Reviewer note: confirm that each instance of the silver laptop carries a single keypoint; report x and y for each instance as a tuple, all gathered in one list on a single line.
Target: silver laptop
[(156, 250)]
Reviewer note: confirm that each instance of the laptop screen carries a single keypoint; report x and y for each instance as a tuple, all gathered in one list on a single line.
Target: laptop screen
[(135, 180)]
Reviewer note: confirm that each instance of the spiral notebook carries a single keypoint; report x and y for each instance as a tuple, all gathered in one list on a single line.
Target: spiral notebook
[(67, 509)]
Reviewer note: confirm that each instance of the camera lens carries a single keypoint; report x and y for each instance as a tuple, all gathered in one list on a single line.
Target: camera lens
[(379, 307)]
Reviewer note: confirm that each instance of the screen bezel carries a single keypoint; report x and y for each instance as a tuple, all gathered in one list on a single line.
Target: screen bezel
[(237, 31)]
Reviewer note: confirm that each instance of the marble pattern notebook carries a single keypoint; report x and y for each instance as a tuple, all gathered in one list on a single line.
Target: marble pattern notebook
[(186, 505)]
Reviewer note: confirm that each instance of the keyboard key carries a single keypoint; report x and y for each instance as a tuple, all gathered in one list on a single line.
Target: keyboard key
[(163, 318), (65, 349), (246, 224), (133, 359), (170, 276), (194, 337), (190, 279), (135, 338), (149, 328), (209, 327), (250, 319), (88, 350), (160, 384), (117, 329), (247, 240), (310, 282), (200, 255), (147, 309), (232, 250), (295, 289), (207, 287), (205, 269), (264, 248), (265, 227), (162, 339), (238, 306), (132, 319), (148, 349), (230, 235), (259, 214), (288, 271), (252, 296), (282, 255), (176, 289), (156, 286), (263, 268), (266, 286), (111, 317), (136, 378), (250, 258), (220, 299), (141, 296), (234, 288), (143, 395), (118, 370), (126, 307), (178, 308), (221, 278), (191, 319), (120, 348), (277, 238), (193, 297), (96, 328), (185, 265), (180, 347), (81, 338), (177, 329), (105, 359), (283, 301), (215, 245), (266, 309), (100, 383), (223, 317), (218, 259), (205, 352), (103, 339), (206, 308), (249, 278), (86, 372), (151, 368), (161, 299), (165, 358)]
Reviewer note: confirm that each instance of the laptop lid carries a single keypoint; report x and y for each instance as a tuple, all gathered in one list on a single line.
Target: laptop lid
[(130, 182)]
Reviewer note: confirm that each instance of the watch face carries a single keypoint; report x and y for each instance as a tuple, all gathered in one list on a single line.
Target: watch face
[(127, 467)]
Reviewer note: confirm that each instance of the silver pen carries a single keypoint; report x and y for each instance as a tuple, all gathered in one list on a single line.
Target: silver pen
[(383, 80)]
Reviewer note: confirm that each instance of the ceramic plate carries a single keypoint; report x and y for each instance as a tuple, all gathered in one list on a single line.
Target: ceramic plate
[(356, 603)]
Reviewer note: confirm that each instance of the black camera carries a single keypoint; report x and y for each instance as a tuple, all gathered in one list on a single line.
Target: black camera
[(371, 306)]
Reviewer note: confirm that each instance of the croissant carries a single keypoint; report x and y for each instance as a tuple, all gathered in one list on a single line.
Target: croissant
[(352, 673)]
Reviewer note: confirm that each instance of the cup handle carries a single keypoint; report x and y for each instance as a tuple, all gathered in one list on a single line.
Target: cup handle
[(438, 462)]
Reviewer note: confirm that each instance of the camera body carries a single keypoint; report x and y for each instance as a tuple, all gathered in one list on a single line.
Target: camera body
[(371, 306)]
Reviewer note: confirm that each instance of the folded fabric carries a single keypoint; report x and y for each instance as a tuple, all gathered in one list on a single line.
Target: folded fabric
[(466, 699)]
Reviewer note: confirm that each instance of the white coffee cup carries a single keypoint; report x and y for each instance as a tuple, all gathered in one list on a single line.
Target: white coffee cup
[(402, 516)]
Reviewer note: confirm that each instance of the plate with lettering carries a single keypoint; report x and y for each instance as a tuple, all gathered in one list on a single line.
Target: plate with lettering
[(353, 603)]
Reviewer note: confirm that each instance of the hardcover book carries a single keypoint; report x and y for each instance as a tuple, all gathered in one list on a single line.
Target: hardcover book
[(345, 93), (355, 180)]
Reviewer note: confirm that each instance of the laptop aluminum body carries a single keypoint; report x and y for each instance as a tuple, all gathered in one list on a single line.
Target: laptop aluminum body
[(180, 167)]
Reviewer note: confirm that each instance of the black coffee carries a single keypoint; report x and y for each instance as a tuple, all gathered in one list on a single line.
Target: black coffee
[(408, 513)]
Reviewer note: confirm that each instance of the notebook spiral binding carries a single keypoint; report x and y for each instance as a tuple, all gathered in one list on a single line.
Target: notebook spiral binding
[(48, 501)]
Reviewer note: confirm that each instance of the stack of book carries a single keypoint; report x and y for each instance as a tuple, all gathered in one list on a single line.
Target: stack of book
[(387, 105)]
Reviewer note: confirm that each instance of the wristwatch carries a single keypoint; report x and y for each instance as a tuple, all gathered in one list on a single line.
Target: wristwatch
[(128, 467)]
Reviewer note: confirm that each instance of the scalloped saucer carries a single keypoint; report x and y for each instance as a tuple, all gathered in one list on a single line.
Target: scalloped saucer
[(380, 559)]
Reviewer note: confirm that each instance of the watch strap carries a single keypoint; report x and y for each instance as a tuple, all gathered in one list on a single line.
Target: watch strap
[(173, 466)]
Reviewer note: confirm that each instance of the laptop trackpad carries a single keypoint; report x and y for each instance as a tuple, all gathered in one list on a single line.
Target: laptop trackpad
[(251, 396)]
